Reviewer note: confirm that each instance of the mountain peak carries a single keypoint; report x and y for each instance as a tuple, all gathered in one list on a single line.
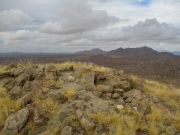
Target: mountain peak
[(134, 51)]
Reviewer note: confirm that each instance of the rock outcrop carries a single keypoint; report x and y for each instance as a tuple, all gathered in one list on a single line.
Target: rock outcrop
[(72, 100)]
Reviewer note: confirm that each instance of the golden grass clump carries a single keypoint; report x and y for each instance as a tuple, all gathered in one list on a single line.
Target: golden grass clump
[(70, 93)]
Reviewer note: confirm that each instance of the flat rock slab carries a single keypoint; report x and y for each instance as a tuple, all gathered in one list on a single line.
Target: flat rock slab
[(16, 121)]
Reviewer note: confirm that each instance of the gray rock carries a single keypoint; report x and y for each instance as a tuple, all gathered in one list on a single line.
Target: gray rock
[(119, 91), (79, 114), (8, 83), (86, 124), (136, 94), (109, 95), (128, 100), (100, 78), (125, 85), (104, 88), (39, 117), (27, 86), (20, 80), (71, 79), (67, 131), (16, 121), (115, 95), (50, 68), (15, 92)]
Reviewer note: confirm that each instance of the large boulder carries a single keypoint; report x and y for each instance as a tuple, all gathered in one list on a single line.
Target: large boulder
[(16, 121)]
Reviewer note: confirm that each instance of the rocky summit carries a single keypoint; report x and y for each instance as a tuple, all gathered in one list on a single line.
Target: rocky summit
[(84, 99)]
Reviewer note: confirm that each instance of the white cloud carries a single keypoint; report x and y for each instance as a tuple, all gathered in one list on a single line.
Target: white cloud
[(13, 19)]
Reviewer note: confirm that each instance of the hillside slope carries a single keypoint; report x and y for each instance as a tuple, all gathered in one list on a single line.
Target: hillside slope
[(84, 99)]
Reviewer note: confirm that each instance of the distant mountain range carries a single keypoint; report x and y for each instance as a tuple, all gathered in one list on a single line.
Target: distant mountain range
[(141, 51), (142, 61), (128, 52)]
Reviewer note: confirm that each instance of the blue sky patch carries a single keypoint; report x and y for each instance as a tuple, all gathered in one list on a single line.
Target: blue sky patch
[(144, 2)]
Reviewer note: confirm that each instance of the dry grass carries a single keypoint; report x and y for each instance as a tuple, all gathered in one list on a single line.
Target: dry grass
[(159, 118), (124, 123), (49, 106), (2, 68), (78, 65), (7, 106), (166, 92), (128, 121), (163, 91)]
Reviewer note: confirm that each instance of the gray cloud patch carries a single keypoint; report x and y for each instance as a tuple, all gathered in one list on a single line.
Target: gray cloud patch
[(78, 16), (12, 19), (149, 30)]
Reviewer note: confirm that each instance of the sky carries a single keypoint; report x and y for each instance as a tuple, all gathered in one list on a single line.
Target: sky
[(67, 26)]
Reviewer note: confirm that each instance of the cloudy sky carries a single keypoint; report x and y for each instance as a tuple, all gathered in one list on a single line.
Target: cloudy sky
[(73, 25)]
